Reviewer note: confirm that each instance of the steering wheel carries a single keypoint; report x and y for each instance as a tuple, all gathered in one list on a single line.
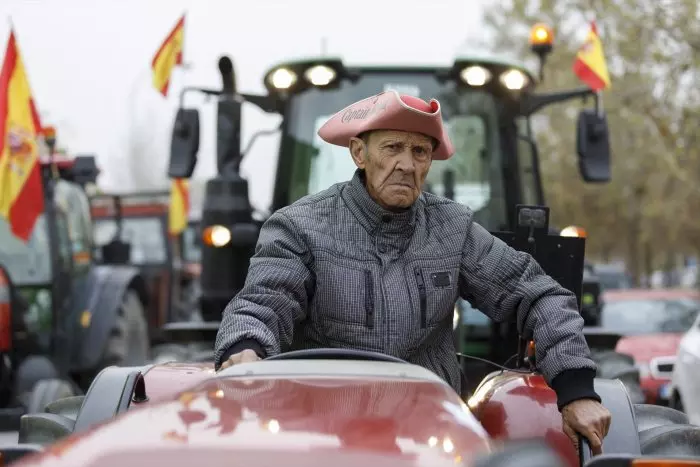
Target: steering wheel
[(584, 450), (335, 354)]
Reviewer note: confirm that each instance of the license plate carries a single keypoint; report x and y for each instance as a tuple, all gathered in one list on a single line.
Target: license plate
[(665, 391)]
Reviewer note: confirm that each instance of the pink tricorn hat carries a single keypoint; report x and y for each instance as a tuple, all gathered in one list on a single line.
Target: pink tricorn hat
[(389, 111)]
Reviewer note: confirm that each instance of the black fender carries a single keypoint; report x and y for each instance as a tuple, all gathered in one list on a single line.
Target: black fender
[(102, 297), (112, 392)]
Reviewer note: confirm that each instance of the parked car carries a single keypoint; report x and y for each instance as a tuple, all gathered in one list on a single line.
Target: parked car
[(685, 383), (652, 322)]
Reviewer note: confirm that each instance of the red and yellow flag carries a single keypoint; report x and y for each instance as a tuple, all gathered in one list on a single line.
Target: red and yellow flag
[(21, 190), (168, 56), (179, 206), (590, 65)]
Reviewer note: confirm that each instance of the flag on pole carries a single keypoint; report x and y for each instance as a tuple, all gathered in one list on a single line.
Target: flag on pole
[(590, 65), (179, 206), (21, 189), (169, 55)]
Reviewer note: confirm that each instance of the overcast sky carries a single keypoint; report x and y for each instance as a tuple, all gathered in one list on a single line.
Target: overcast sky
[(88, 63)]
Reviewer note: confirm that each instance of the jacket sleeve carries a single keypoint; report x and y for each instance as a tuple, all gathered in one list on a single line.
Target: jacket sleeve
[(504, 283), (275, 296)]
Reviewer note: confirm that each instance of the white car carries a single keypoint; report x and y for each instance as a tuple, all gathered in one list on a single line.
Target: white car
[(685, 384)]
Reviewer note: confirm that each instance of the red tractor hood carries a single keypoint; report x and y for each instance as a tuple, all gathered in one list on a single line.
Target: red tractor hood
[(645, 347), (304, 420)]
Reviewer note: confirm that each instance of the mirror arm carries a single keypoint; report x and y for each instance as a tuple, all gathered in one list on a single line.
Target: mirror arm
[(207, 91), (531, 103), (267, 102), (271, 131)]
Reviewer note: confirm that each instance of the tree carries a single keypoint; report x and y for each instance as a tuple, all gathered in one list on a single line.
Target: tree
[(645, 215)]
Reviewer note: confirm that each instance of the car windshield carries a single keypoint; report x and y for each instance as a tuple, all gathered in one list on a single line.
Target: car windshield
[(146, 235), (27, 263), (648, 316), (470, 115), (612, 280)]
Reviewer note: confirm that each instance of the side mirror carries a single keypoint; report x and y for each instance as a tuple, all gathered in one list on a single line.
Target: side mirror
[(593, 146), (185, 144)]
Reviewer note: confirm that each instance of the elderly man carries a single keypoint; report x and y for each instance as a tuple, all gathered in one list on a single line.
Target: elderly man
[(376, 264)]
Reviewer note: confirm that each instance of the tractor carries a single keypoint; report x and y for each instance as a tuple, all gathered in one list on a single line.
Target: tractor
[(64, 317), (140, 220), (487, 105)]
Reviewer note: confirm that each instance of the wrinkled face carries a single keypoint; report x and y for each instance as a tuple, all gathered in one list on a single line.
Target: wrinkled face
[(395, 164)]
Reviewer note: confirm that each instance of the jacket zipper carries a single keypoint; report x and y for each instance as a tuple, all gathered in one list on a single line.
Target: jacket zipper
[(423, 298), (369, 299)]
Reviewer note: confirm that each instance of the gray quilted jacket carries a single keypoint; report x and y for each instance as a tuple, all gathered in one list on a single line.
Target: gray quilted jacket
[(334, 269)]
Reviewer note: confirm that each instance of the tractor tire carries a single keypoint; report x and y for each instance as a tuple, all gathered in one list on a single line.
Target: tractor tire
[(47, 391), (128, 343)]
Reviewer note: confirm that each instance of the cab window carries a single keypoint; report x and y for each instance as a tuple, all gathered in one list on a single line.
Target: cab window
[(526, 163), (74, 203)]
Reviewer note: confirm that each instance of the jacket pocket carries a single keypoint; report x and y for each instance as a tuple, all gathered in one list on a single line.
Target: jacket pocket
[(422, 297), (343, 294)]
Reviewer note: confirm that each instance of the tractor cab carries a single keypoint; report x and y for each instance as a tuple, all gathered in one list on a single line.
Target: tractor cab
[(487, 105)]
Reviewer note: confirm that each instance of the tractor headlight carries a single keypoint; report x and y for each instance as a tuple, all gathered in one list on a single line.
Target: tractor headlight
[(320, 75), (216, 236), (283, 78), (514, 80), (475, 75)]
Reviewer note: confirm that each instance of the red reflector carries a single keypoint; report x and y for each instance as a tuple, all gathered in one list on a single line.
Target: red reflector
[(5, 314)]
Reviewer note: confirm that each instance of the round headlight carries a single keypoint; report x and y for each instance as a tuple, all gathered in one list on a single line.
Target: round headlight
[(216, 236), (283, 78), (320, 75), (514, 79), (475, 75)]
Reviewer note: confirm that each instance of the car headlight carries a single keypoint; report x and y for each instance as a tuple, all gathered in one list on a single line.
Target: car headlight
[(455, 318)]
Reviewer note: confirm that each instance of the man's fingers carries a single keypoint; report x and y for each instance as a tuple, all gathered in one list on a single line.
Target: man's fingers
[(594, 440), (573, 436)]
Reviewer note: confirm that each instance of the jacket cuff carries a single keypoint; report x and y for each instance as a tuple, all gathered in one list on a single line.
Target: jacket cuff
[(249, 344), (571, 385)]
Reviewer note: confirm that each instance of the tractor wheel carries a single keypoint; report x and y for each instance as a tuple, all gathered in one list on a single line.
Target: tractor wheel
[(128, 343), (47, 391)]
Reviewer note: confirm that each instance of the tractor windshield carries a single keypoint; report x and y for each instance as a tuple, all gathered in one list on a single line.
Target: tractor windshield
[(147, 236), (471, 117)]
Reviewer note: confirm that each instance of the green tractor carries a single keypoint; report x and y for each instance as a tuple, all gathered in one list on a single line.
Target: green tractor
[(487, 105)]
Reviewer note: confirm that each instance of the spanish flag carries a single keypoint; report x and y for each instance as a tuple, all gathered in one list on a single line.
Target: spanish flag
[(168, 56), (21, 190), (179, 206), (590, 65)]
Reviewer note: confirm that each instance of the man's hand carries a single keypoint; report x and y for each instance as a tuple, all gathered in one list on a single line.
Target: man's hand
[(588, 418), (244, 356)]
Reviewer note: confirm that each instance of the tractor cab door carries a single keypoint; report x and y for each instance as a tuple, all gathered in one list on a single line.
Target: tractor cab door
[(75, 245)]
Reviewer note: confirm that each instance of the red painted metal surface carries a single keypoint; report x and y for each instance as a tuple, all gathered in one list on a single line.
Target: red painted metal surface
[(513, 406), (304, 422), (641, 294)]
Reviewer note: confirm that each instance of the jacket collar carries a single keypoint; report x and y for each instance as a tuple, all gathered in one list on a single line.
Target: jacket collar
[(370, 214)]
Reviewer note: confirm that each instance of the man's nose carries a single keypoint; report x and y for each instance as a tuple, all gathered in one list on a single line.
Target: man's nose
[(405, 162)]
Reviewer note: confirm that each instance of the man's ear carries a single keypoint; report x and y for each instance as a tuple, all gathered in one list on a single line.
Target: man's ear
[(358, 150)]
